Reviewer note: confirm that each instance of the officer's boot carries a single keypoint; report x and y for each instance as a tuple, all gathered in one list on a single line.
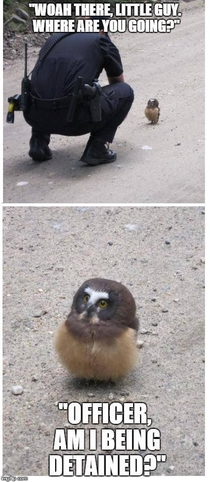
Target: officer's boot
[(97, 152), (39, 149)]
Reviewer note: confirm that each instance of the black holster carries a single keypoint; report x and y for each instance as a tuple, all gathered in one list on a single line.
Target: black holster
[(95, 103), (91, 94)]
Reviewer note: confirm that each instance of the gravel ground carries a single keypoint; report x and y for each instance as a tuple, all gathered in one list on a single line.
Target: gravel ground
[(158, 253)]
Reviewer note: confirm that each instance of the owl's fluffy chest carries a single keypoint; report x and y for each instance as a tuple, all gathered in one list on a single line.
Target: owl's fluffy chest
[(152, 114), (97, 358)]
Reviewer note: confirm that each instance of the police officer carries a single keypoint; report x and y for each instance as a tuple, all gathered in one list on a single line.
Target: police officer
[(52, 82)]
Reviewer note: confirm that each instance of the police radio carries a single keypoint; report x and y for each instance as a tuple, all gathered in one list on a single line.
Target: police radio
[(25, 85)]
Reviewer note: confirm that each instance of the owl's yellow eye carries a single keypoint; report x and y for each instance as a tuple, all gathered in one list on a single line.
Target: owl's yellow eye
[(86, 298), (102, 304)]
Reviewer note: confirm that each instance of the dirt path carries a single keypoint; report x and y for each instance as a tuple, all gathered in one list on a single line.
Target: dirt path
[(158, 253), (167, 66)]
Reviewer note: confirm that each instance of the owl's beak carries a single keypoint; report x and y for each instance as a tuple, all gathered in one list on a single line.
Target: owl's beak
[(91, 310)]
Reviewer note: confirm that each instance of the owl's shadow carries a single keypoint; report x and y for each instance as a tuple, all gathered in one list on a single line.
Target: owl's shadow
[(91, 388), (84, 383)]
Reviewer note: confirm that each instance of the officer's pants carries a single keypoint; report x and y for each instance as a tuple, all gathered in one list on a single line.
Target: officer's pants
[(116, 101)]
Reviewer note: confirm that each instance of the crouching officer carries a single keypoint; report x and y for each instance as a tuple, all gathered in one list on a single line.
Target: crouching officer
[(60, 103)]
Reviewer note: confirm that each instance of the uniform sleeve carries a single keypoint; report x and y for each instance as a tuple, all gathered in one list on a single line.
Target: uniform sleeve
[(112, 60)]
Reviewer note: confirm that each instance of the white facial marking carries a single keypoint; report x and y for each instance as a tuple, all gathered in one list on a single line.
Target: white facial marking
[(96, 295)]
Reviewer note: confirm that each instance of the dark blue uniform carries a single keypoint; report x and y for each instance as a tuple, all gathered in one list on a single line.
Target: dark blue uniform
[(85, 55)]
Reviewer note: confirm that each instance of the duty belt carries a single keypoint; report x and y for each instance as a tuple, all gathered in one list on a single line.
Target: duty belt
[(51, 104)]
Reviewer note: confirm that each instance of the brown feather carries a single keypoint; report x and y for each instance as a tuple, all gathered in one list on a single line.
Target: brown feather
[(97, 359), (152, 114), (100, 345), (125, 316)]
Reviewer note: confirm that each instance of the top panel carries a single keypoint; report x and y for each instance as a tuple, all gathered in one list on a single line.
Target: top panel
[(148, 104)]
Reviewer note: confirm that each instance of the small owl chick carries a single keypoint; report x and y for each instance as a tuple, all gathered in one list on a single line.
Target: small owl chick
[(98, 339), (152, 111)]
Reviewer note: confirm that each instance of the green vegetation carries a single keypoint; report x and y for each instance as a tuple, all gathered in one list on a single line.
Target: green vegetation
[(12, 3)]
